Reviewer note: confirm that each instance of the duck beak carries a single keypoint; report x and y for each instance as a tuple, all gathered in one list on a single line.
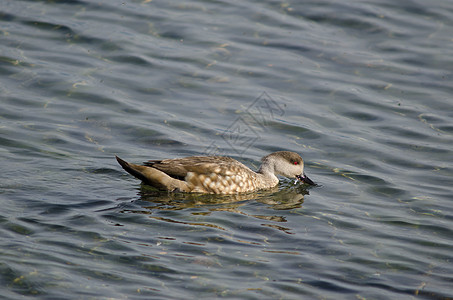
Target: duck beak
[(304, 179)]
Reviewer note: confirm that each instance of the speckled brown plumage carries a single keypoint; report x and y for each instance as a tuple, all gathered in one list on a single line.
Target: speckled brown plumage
[(216, 174)]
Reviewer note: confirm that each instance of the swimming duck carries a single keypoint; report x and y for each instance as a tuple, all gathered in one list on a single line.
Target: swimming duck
[(217, 174)]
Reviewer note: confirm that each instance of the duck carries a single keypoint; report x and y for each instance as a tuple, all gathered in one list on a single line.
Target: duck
[(217, 174)]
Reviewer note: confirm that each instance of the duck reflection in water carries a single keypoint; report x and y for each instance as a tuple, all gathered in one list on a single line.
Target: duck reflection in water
[(153, 201)]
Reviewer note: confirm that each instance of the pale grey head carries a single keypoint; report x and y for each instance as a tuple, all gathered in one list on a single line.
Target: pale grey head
[(285, 163)]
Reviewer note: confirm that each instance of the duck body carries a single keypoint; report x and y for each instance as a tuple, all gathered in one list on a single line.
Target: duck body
[(217, 174)]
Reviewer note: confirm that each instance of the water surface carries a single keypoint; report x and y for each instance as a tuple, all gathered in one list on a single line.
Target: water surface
[(361, 90)]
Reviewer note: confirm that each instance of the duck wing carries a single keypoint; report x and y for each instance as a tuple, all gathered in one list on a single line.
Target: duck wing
[(179, 167)]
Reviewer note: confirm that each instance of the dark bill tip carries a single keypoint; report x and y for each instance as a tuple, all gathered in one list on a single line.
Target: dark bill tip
[(304, 179)]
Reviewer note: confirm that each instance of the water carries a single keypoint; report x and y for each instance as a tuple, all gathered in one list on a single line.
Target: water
[(361, 90)]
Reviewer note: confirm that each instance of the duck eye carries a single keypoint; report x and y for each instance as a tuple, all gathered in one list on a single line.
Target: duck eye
[(296, 163)]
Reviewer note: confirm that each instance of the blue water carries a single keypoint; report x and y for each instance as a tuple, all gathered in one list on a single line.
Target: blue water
[(363, 91)]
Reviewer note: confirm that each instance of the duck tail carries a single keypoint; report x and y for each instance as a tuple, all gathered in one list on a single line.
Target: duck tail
[(132, 169), (153, 177)]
